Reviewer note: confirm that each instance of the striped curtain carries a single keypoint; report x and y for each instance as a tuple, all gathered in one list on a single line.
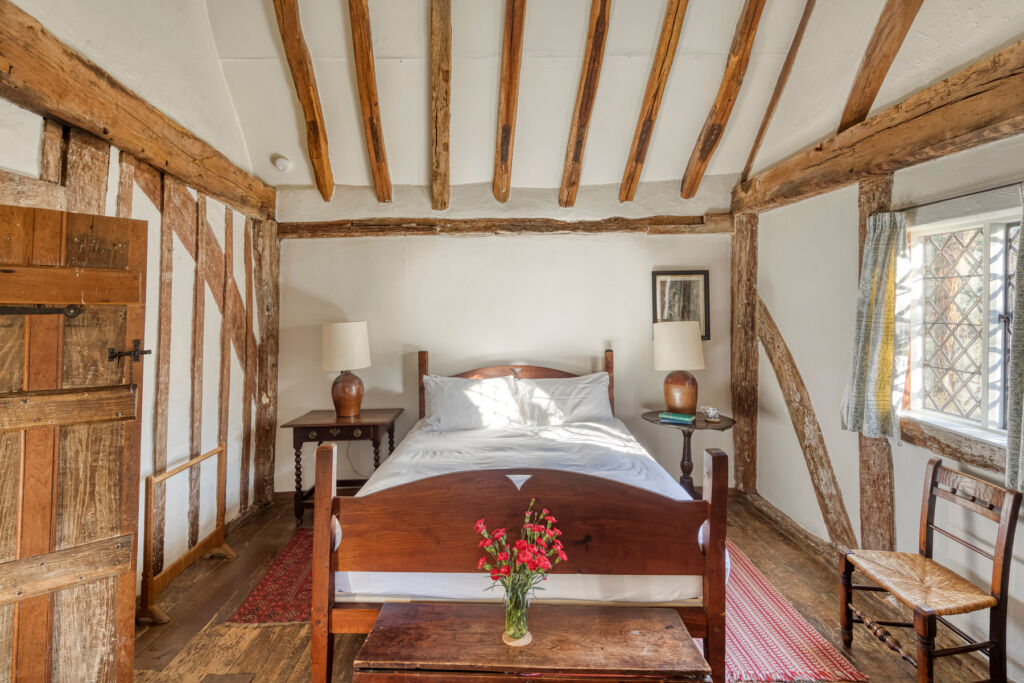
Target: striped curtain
[(874, 392), (1015, 377)]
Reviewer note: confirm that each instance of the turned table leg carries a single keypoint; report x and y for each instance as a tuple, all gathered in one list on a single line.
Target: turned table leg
[(391, 439), (298, 480), (686, 465), (376, 449)]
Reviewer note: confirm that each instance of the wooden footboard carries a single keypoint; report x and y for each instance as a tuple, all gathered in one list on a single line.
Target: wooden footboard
[(608, 528)]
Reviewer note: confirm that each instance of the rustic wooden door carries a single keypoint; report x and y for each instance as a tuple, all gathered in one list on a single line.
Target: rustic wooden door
[(72, 287)]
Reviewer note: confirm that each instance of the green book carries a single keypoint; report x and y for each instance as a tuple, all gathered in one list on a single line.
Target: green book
[(666, 416)]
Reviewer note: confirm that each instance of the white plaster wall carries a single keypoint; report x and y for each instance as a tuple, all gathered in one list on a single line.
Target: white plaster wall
[(807, 277), (21, 132), (553, 300)]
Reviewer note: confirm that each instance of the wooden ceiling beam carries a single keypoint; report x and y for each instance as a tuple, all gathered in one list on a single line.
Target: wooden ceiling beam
[(508, 97), (980, 104), (301, 65), (656, 82), (585, 95), (366, 80), (47, 77), (440, 101), (780, 85), (732, 79), (389, 227), (892, 27)]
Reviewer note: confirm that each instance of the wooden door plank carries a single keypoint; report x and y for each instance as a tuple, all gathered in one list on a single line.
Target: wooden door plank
[(304, 78), (732, 79), (980, 104), (12, 365), (49, 78), (366, 80), (46, 573), (745, 361), (55, 407), (780, 85), (805, 422), (656, 83), (585, 96), (61, 286), (440, 101), (892, 27), (508, 97)]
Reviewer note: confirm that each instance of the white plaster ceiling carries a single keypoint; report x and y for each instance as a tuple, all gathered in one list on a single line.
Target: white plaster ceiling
[(218, 67)]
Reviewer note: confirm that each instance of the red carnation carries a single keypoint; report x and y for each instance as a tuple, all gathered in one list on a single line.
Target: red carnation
[(502, 556), (497, 533), (480, 525), (504, 571), (562, 556), (486, 543), (495, 574), (544, 511), (481, 563), (551, 519), (542, 544)]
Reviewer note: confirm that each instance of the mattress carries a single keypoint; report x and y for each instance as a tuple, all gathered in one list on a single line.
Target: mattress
[(602, 449)]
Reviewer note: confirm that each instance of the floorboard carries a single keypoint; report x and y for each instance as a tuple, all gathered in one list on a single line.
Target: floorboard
[(197, 645)]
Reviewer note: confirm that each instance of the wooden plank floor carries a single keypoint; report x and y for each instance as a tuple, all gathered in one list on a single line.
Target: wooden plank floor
[(197, 645)]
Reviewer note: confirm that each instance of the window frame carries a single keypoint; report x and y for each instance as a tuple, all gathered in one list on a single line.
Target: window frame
[(995, 228)]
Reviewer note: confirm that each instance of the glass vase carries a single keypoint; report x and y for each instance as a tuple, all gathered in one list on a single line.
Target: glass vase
[(517, 601)]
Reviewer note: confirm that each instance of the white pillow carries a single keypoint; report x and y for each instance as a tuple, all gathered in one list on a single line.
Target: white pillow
[(558, 401), (456, 403)]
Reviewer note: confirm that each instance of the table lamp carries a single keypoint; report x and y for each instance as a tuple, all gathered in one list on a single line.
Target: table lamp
[(345, 347), (677, 347)]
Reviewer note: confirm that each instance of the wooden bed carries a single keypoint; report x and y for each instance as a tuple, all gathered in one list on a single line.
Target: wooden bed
[(427, 525)]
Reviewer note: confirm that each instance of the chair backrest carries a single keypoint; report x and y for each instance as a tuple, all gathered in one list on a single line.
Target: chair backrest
[(989, 500)]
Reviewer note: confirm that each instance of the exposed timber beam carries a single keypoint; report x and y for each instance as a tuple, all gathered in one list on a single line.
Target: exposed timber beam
[(877, 485), (656, 82), (301, 65), (745, 360), (49, 78), (366, 80), (728, 91), (980, 104), (589, 76), (780, 85), (508, 97), (440, 101), (891, 29), (808, 431), (389, 227)]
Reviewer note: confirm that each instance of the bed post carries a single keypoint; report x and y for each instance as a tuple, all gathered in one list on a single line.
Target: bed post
[(422, 371), (322, 642), (609, 367), (716, 492)]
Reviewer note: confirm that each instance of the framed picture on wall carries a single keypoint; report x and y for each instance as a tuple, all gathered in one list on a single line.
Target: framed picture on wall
[(682, 295)]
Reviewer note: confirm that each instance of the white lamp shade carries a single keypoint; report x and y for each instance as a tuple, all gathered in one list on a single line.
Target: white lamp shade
[(345, 346), (677, 346)]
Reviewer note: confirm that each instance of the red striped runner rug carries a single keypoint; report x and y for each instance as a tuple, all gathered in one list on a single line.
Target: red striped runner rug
[(765, 638)]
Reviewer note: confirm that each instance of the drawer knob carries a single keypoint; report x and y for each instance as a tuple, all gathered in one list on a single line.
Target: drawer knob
[(357, 433), (312, 434)]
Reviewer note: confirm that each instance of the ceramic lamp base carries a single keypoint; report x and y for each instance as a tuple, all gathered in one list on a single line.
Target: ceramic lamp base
[(347, 392), (681, 392), (517, 642)]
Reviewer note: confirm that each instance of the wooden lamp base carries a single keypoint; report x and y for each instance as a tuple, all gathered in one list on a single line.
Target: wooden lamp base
[(681, 392), (347, 392)]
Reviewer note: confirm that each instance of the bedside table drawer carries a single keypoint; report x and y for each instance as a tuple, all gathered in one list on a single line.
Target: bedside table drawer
[(336, 433)]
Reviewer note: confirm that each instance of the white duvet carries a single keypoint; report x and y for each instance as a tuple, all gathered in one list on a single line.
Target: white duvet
[(601, 449)]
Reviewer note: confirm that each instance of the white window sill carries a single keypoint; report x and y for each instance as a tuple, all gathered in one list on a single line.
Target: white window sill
[(994, 438)]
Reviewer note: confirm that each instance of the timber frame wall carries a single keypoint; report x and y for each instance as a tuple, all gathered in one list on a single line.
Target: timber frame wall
[(88, 114)]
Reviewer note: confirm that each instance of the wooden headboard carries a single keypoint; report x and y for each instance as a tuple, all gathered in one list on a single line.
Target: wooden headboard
[(523, 371)]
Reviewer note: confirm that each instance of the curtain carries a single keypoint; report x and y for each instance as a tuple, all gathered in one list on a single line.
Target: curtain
[(874, 392), (1015, 377)]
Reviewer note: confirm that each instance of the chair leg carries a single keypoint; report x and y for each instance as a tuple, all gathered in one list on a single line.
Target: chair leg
[(924, 624), (997, 633), (845, 597)]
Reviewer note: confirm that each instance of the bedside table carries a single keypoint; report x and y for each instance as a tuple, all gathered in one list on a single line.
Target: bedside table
[(724, 423), (318, 426)]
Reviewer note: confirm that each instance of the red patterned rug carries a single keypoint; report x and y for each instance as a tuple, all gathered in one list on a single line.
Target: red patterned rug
[(766, 639)]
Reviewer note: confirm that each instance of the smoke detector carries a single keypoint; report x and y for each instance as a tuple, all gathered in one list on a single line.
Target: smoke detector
[(282, 163)]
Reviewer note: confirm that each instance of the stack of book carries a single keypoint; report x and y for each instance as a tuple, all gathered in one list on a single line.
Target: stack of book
[(675, 418)]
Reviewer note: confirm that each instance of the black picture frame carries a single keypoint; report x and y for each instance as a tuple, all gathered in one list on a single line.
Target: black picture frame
[(702, 278)]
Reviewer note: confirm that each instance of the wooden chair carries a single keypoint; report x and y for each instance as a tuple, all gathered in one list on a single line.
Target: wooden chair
[(931, 590)]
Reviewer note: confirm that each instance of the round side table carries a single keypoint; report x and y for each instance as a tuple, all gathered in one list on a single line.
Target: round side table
[(724, 423)]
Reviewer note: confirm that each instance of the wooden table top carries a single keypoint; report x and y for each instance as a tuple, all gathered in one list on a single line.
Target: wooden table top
[(724, 423), (367, 417), (567, 639)]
